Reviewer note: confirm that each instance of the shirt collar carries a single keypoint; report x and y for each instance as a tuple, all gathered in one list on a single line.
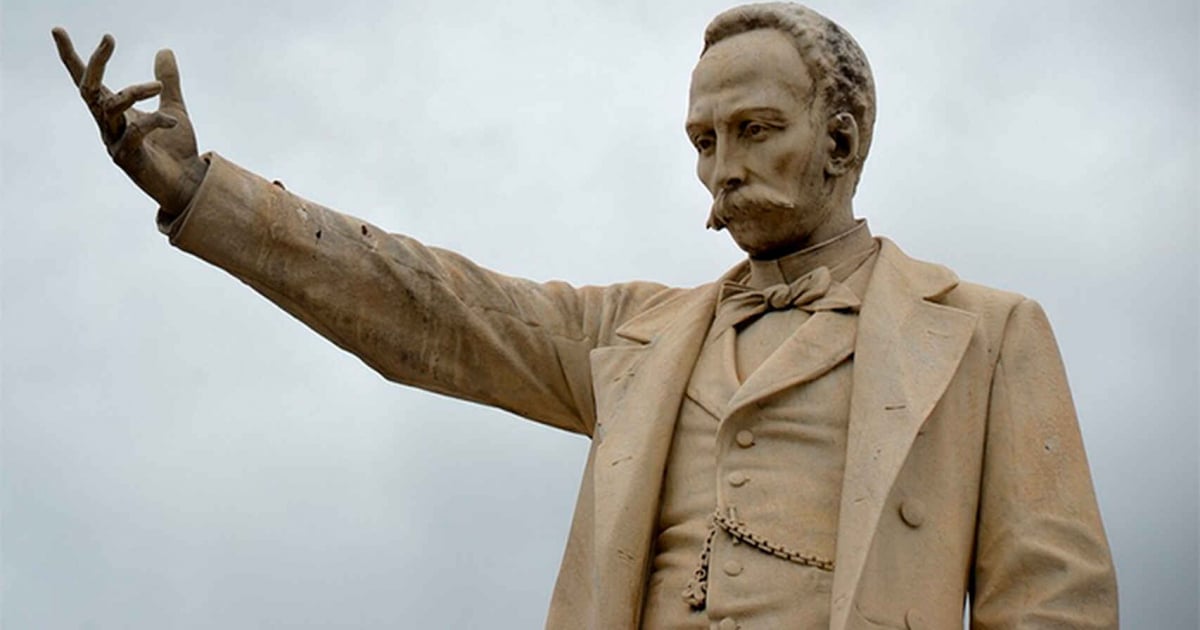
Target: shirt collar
[(853, 245)]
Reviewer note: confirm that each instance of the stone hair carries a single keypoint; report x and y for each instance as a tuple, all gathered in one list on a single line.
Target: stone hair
[(838, 67)]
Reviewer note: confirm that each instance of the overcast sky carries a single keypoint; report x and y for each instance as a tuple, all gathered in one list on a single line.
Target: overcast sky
[(179, 453)]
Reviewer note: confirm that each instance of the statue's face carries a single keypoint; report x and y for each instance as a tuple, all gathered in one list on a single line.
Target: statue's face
[(762, 149)]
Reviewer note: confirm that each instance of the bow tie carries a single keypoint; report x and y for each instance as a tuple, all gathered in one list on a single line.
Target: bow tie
[(814, 292)]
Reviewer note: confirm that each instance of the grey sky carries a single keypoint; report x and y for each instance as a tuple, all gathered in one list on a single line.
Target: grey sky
[(178, 453)]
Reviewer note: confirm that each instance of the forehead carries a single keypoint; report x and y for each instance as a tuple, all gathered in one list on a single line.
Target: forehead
[(759, 65)]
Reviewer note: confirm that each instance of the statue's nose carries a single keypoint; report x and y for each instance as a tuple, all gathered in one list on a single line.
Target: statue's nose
[(730, 172)]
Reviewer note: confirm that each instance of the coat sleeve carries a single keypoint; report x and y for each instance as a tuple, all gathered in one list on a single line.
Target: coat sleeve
[(1042, 560), (418, 315)]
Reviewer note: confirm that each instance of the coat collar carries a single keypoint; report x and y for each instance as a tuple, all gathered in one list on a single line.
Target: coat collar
[(668, 315), (913, 277)]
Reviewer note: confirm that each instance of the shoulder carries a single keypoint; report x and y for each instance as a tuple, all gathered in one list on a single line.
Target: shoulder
[(993, 306), (996, 309)]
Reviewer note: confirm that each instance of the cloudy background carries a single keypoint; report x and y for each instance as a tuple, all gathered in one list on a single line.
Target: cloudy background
[(178, 453)]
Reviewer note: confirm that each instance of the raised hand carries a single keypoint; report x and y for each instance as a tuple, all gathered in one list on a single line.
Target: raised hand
[(157, 150)]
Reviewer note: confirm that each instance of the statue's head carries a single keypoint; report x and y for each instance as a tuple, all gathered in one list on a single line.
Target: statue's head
[(781, 109)]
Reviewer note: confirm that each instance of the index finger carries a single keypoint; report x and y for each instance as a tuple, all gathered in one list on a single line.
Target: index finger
[(66, 52), (93, 74)]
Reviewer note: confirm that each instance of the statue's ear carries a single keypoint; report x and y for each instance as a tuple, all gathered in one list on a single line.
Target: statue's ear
[(843, 143)]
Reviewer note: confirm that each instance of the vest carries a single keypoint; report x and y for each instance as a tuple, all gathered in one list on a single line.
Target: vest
[(748, 524)]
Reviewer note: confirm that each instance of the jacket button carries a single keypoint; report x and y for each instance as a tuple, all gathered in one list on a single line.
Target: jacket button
[(912, 511), (728, 623), (914, 620), (737, 479), (745, 439), (733, 568)]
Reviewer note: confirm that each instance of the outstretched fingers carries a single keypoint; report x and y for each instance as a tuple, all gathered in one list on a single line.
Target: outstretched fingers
[(165, 165), (167, 73), (93, 75), (66, 52)]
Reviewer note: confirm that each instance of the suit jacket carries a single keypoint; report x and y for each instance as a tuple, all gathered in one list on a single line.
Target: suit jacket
[(965, 472)]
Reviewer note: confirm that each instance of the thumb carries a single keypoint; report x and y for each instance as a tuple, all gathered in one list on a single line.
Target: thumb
[(167, 73)]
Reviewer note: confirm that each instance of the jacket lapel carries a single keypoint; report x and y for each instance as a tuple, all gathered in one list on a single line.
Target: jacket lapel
[(712, 386), (908, 349), (639, 389)]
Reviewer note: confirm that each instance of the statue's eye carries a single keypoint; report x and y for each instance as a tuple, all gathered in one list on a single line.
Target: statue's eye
[(704, 143), (753, 130)]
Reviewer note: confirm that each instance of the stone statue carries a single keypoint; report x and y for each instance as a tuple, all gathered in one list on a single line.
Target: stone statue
[(831, 435)]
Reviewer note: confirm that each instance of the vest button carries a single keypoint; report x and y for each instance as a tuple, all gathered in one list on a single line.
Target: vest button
[(733, 568), (914, 620), (912, 512), (745, 439), (737, 479), (728, 623)]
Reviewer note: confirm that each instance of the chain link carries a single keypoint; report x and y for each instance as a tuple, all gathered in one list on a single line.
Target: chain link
[(738, 531), (696, 591)]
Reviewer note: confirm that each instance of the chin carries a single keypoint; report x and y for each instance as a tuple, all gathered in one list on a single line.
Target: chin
[(758, 246), (768, 239)]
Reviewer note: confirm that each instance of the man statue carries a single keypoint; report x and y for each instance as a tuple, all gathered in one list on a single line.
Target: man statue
[(832, 435)]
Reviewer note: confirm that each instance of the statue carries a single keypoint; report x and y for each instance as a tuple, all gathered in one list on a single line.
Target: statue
[(832, 434)]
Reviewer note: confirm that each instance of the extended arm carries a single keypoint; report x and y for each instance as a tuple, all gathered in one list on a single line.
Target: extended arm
[(418, 315), (1042, 560)]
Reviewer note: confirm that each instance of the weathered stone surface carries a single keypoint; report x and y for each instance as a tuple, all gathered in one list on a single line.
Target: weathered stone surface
[(853, 437)]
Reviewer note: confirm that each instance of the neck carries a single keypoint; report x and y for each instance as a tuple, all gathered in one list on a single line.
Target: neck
[(838, 251), (837, 217), (840, 216)]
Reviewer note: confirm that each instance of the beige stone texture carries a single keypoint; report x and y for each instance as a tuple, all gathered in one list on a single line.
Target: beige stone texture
[(951, 455)]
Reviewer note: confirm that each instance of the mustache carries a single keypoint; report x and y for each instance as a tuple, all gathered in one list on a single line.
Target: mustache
[(743, 202)]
